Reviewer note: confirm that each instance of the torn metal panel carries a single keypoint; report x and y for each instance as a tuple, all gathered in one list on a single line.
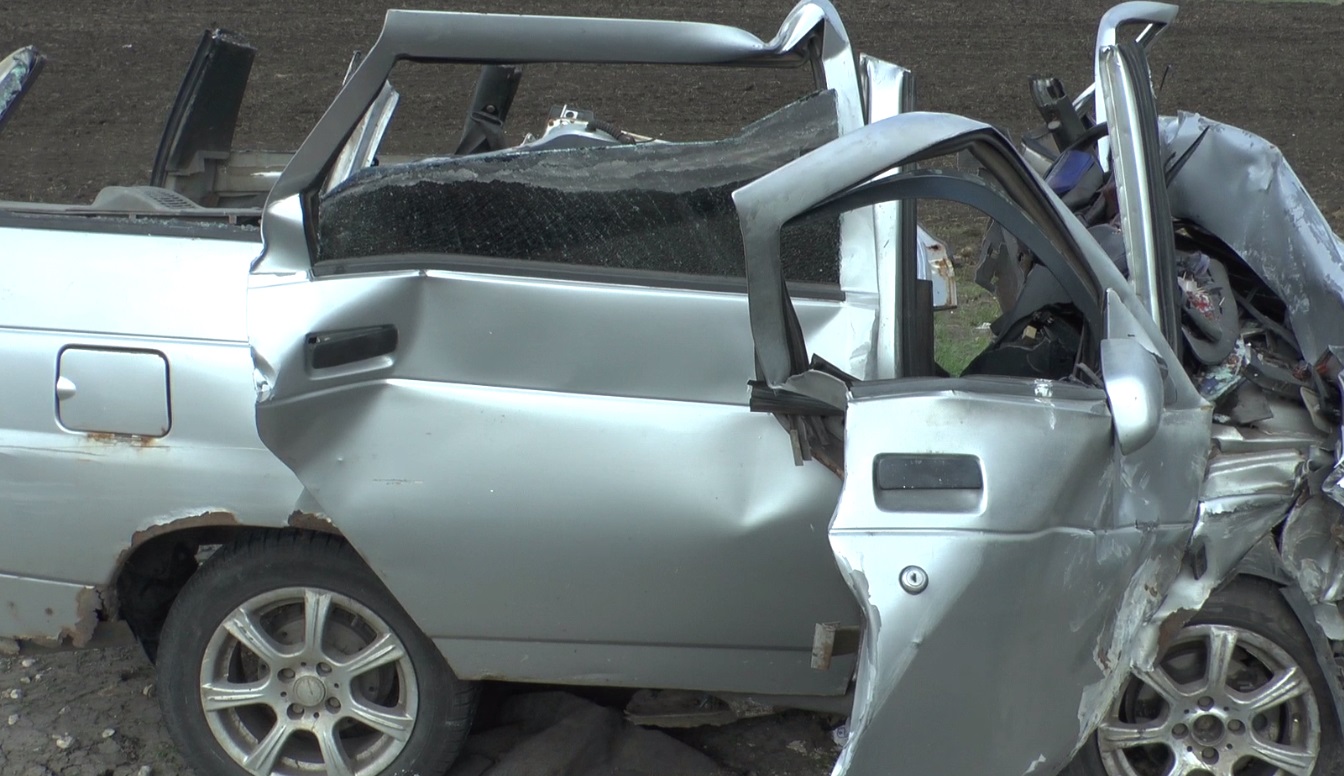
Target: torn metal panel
[(1312, 547), (1267, 473), (1084, 568), (1245, 494), (1238, 186)]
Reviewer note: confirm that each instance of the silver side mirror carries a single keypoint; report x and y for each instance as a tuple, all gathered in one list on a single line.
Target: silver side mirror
[(17, 73), (1134, 390)]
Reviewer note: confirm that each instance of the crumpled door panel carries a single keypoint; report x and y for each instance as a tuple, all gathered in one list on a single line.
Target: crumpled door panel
[(1011, 623)]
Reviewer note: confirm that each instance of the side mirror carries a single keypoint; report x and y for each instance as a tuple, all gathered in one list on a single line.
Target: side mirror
[(17, 73), (1134, 390)]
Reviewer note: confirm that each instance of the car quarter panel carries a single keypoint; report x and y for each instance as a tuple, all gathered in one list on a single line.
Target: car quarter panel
[(75, 501)]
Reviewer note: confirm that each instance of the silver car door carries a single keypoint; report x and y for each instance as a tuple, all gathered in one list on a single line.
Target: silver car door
[(533, 455), (1006, 538)]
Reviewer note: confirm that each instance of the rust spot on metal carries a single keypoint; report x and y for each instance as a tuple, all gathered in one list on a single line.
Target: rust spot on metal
[(77, 634), (310, 522), (204, 520), (1171, 626), (87, 605), (123, 440)]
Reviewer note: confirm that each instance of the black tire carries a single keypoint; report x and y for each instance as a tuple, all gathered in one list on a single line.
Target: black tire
[(1256, 606), (268, 562)]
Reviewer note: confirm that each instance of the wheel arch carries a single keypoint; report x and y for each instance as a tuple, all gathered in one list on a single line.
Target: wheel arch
[(150, 573), (1324, 652), (1263, 565)]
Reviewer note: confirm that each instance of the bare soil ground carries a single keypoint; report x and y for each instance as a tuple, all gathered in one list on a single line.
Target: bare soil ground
[(95, 118)]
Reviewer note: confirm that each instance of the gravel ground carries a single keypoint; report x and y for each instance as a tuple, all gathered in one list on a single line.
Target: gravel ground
[(95, 118)]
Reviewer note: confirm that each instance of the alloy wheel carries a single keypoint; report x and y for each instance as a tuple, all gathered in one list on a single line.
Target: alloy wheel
[(302, 680), (1223, 701)]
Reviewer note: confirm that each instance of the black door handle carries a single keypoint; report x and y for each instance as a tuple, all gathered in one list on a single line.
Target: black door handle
[(327, 349)]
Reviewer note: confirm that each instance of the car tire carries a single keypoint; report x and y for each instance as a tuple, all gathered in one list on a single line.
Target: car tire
[(1206, 731), (286, 654)]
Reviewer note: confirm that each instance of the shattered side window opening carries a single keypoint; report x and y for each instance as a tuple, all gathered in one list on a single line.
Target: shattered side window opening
[(645, 206), (1034, 332)]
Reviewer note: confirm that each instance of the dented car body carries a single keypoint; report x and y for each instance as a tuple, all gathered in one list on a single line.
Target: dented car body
[(679, 425)]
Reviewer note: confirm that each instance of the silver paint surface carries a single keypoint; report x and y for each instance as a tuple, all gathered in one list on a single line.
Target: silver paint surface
[(184, 298)]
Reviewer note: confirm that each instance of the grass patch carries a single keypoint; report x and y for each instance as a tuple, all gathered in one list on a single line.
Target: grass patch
[(958, 336)]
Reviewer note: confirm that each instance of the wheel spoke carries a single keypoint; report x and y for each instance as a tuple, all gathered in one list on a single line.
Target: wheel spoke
[(1291, 759), (1163, 684), (1186, 765), (380, 652), (1114, 735), (1285, 686), (243, 627), (316, 607), (333, 752), (262, 759), (386, 721), (218, 696), (1222, 644)]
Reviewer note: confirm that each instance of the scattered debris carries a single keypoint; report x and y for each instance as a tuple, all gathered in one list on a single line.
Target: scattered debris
[(840, 735), (109, 732), (27, 662), (15, 694), (64, 741), (13, 720)]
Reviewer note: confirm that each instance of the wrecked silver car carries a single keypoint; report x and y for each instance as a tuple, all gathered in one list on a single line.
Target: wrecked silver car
[(596, 409)]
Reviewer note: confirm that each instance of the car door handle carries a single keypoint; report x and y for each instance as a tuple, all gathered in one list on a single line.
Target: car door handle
[(902, 471), (904, 482), (327, 349), (65, 388)]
